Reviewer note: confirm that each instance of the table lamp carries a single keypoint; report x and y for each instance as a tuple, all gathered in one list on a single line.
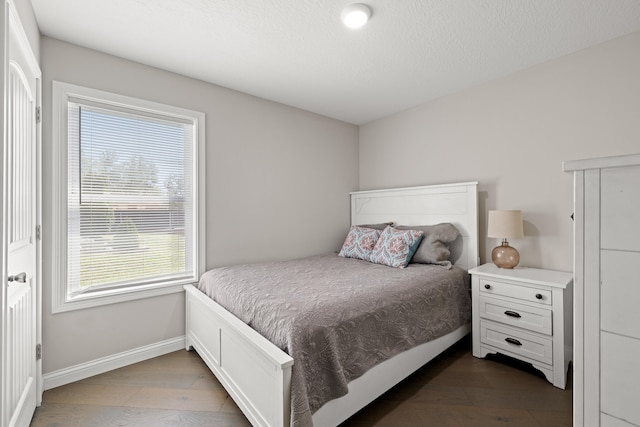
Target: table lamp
[(505, 225)]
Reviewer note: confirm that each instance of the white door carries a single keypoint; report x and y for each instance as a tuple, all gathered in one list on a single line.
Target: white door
[(20, 198)]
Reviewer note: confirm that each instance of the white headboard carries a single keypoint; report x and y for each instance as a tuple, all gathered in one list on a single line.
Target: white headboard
[(426, 205)]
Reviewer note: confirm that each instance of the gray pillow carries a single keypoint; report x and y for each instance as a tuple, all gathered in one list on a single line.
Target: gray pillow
[(434, 248), (381, 226)]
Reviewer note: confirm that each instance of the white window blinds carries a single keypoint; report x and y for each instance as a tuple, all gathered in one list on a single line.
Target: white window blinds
[(130, 198)]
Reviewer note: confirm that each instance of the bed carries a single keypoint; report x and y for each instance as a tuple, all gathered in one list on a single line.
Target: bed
[(258, 374)]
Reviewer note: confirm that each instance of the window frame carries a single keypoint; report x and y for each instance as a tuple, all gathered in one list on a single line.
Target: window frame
[(62, 300)]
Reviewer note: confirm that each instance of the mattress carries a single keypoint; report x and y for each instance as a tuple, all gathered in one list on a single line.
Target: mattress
[(338, 317)]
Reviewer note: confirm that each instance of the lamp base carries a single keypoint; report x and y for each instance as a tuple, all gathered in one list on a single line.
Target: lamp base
[(505, 256)]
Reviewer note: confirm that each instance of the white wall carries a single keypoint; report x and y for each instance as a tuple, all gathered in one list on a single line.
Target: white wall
[(278, 180), (512, 135)]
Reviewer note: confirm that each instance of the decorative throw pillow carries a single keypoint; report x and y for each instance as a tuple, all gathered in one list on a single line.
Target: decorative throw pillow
[(434, 248), (359, 242), (396, 247)]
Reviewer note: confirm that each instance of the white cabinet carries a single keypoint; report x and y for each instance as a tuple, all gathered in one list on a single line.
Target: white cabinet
[(607, 290), (524, 313)]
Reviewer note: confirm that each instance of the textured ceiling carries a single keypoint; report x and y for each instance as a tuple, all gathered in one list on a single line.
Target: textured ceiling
[(297, 52)]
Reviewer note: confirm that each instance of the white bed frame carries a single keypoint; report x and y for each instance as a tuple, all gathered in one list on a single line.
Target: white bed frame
[(257, 374)]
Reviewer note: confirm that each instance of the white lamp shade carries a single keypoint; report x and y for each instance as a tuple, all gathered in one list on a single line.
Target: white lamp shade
[(505, 224)]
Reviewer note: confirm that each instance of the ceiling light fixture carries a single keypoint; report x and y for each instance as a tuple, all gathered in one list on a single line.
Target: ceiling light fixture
[(355, 15)]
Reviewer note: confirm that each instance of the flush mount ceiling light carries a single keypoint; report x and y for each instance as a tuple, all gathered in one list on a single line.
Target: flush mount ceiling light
[(355, 15)]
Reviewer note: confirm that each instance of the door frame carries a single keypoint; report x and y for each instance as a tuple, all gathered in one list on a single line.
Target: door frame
[(10, 18)]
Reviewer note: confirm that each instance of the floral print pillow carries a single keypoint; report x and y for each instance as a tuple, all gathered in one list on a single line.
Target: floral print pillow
[(359, 243), (396, 247)]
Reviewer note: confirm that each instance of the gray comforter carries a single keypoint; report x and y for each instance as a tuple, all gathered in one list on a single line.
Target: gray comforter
[(338, 317)]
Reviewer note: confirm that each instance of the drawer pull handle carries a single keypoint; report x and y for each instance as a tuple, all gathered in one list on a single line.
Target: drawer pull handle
[(538, 296), (512, 314), (513, 341), (487, 286)]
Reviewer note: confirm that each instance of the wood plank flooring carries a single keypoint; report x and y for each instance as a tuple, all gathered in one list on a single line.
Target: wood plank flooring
[(177, 389)]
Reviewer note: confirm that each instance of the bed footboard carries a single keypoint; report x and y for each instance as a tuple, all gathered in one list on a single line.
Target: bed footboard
[(254, 372)]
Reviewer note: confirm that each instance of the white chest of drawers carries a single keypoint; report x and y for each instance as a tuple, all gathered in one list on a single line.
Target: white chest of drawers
[(525, 313), (606, 387)]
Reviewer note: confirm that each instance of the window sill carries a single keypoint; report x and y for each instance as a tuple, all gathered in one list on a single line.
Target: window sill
[(114, 296)]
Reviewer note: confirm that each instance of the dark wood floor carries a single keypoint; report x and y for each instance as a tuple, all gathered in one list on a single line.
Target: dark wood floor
[(178, 389)]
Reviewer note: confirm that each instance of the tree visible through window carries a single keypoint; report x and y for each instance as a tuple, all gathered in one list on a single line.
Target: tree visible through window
[(131, 191)]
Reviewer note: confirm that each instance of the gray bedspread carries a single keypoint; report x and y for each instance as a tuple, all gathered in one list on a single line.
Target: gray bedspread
[(338, 317)]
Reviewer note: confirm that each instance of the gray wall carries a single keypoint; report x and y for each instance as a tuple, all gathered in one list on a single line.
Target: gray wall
[(277, 181), (278, 178), (512, 135), (28, 20)]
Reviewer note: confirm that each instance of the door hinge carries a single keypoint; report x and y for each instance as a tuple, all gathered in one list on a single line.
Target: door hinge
[(38, 114), (38, 351), (38, 232)]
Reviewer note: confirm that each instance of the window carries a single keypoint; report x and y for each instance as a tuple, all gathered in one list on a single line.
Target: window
[(129, 193)]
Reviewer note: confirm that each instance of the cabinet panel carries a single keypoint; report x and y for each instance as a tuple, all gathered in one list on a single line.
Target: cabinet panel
[(523, 316), (620, 200), (525, 293), (620, 292), (609, 421), (516, 341), (620, 377)]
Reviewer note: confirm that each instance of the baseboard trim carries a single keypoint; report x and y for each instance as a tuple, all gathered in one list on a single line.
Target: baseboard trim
[(109, 363)]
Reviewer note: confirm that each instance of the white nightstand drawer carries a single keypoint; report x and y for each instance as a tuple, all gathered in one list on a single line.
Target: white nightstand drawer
[(535, 319), (533, 295), (516, 341)]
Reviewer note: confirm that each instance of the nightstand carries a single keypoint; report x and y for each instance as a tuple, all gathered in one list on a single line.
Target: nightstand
[(525, 313)]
